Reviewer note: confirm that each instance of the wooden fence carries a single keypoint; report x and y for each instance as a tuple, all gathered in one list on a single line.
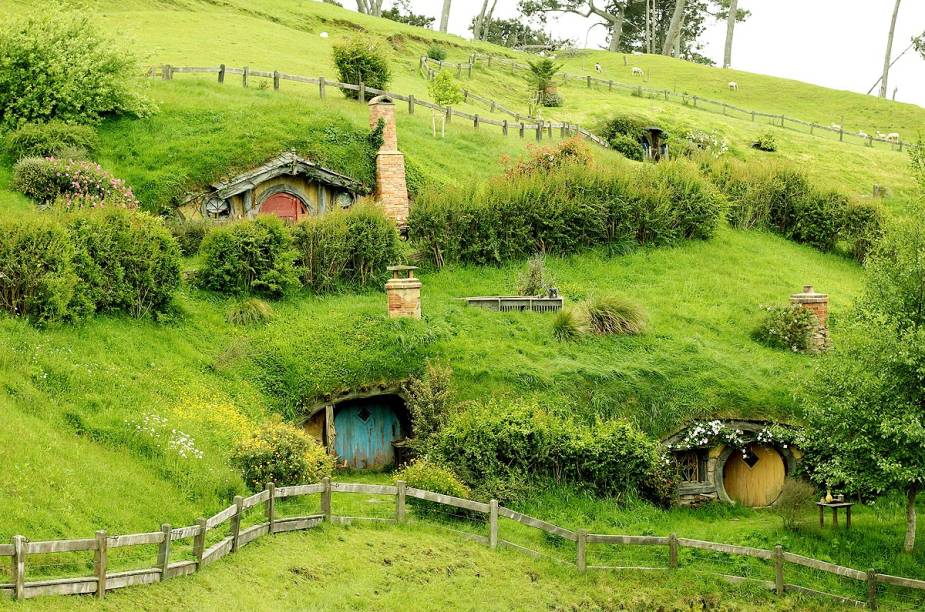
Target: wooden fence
[(229, 535), (538, 127), (699, 102)]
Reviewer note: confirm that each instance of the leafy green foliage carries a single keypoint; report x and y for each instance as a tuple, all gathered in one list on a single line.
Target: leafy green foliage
[(190, 233), (621, 127), (436, 53), (53, 139), (282, 454), (788, 327), (428, 401), (71, 184), (542, 74), (249, 256), (627, 146), (361, 60), (349, 248), (249, 311), (429, 476), (766, 142), (795, 501), (444, 90), (59, 65), (540, 160), (614, 315), (534, 279), (495, 443)]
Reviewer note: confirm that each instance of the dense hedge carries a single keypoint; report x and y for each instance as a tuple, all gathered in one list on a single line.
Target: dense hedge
[(562, 211), (65, 267), (351, 247), (781, 198), (55, 138), (495, 447), (70, 184)]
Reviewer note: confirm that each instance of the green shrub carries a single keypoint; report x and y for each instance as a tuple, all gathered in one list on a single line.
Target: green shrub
[(37, 276), (51, 140), (59, 65), (861, 229), (126, 261), (568, 325), (249, 311), (249, 256), (540, 160), (817, 219), (504, 443), (795, 502), (361, 60), (534, 279), (436, 53), (70, 185), (612, 315), (627, 146), (766, 142), (190, 234), (696, 208), (352, 247), (428, 401), (282, 454), (789, 327), (622, 125), (552, 100), (428, 476)]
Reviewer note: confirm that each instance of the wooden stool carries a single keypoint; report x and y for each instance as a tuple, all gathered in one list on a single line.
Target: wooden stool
[(835, 506)]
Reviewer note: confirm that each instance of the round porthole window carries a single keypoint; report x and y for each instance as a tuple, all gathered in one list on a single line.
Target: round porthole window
[(216, 208), (344, 200)]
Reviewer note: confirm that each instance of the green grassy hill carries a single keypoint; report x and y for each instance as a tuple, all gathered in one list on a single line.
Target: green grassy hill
[(74, 396)]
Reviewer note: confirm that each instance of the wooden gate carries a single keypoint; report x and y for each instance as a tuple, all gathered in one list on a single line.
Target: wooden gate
[(755, 479), (364, 434)]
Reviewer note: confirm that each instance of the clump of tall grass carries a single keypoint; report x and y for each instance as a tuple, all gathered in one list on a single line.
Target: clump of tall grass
[(249, 311), (534, 280), (568, 326), (614, 315)]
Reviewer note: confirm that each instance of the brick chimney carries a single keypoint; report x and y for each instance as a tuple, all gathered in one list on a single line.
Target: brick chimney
[(403, 292), (818, 304), (391, 188)]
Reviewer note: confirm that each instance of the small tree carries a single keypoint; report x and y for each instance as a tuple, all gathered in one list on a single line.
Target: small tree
[(429, 401), (542, 77), (361, 61), (445, 91)]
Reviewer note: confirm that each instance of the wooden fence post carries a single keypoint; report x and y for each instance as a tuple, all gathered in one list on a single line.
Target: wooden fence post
[(549, 129), (276, 79), (522, 127), (247, 72), (695, 101), (871, 589), (489, 61), (673, 551), (458, 70), (400, 502), (221, 73), (492, 106), (493, 524), (589, 81), (465, 95), (724, 109), (166, 72), (779, 570), (271, 506), (199, 542), (449, 114), (100, 562), (19, 566), (539, 130), (362, 92), (321, 84), (236, 522), (504, 127), (610, 85), (163, 552), (470, 70), (411, 104), (475, 122), (582, 544), (326, 499)]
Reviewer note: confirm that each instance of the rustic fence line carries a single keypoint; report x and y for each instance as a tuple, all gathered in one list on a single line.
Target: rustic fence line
[(699, 102), (541, 129), (234, 536)]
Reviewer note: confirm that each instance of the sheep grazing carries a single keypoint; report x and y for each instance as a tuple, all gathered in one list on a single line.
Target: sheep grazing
[(893, 136), (323, 34), (836, 127), (733, 86), (597, 68), (637, 71), (863, 134)]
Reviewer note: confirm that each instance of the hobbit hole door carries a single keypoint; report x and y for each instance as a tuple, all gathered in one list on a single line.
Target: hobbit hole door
[(754, 478), (284, 205), (365, 432)]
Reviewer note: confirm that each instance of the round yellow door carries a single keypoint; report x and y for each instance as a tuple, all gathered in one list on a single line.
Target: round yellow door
[(754, 478)]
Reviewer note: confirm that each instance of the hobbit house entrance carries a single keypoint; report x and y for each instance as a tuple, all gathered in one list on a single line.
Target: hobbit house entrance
[(363, 432), (754, 476)]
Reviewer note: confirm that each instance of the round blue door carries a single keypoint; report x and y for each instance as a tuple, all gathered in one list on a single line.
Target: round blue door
[(364, 434)]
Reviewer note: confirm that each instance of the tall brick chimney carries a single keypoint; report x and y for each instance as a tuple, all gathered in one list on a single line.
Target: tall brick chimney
[(391, 188), (818, 304)]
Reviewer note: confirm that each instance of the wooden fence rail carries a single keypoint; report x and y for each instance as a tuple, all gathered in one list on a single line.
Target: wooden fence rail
[(541, 129), (233, 538)]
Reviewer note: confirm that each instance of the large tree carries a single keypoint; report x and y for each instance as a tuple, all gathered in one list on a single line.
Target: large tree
[(866, 406), (402, 13), (887, 61), (674, 29), (658, 19), (612, 12), (445, 15), (370, 7), (517, 32), (483, 19)]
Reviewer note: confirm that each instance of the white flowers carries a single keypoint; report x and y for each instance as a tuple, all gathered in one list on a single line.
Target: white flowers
[(155, 427)]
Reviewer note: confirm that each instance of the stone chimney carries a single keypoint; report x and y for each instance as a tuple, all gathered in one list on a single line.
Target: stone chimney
[(818, 304), (403, 292), (391, 188)]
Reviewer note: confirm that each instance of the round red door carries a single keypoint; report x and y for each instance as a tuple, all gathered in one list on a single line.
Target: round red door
[(283, 205)]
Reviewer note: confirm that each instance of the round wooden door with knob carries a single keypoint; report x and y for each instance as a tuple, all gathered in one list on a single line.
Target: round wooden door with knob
[(754, 477), (284, 205)]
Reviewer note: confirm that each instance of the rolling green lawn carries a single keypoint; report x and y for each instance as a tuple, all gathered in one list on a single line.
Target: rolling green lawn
[(76, 398)]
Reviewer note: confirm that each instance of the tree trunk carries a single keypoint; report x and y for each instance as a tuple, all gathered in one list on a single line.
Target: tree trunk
[(911, 494), (730, 31), (486, 22), (616, 33), (674, 31), (889, 52), (479, 20), (445, 15)]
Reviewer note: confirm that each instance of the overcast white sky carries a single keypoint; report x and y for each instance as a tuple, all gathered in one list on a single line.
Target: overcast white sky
[(835, 43)]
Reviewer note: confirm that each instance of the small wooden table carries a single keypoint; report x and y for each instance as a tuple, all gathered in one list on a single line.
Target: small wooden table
[(835, 505)]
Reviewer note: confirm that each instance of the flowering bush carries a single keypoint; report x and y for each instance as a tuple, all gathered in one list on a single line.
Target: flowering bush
[(282, 454), (710, 142), (71, 184), (789, 327), (702, 434), (542, 160)]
